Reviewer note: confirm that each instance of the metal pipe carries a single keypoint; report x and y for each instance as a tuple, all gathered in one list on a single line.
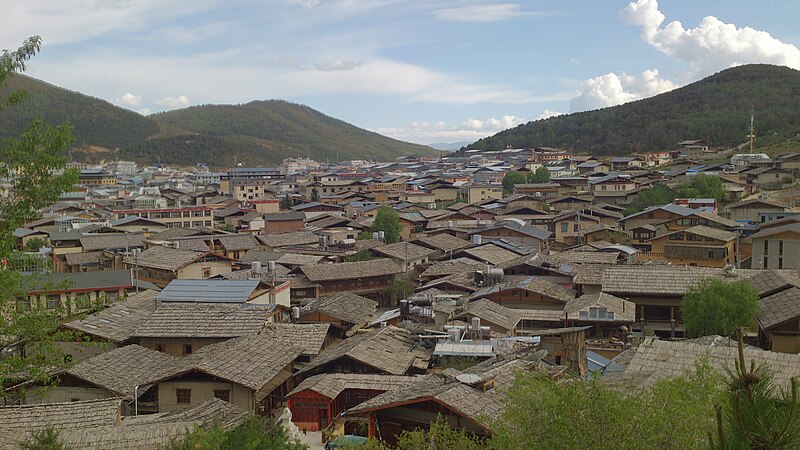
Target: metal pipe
[(136, 400)]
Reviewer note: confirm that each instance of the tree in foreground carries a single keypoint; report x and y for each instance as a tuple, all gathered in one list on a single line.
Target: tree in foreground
[(34, 164), (439, 436), (387, 220), (400, 288), (540, 175), (512, 178), (755, 415), (543, 414), (254, 434), (718, 307)]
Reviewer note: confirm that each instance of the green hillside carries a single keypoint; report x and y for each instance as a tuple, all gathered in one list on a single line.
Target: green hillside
[(282, 129), (96, 122), (259, 132), (716, 108)]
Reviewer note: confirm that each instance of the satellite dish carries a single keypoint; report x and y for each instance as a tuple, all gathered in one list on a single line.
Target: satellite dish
[(469, 378)]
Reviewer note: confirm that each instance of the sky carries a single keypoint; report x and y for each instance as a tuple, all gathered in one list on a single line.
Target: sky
[(426, 71)]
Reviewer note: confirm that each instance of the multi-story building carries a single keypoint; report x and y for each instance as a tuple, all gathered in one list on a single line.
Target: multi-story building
[(189, 216)]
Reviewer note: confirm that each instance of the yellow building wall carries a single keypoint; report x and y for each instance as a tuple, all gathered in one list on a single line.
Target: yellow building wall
[(202, 391)]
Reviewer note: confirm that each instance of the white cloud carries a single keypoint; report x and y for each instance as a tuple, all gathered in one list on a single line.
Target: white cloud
[(613, 89), (144, 111), (130, 100), (304, 3), (470, 130), (713, 44), (547, 113), (482, 13), (332, 65), (173, 102)]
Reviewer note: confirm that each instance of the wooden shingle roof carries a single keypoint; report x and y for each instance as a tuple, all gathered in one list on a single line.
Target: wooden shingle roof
[(390, 350), (164, 258), (18, 422), (656, 359), (204, 320), (122, 369), (103, 241), (118, 322), (444, 242), (493, 312), (624, 310), (351, 270), (490, 253), (404, 251), (297, 238), (308, 337), (345, 306), (779, 308), (332, 384)]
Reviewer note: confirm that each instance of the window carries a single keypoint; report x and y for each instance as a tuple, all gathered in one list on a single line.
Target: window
[(676, 237), (766, 247), (187, 349), (780, 263), (766, 262), (53, 301), (183, 396), (564, 227), (161, 348), (780, 247), (576, 227), (206, 272), (223, 394), (24, 304)]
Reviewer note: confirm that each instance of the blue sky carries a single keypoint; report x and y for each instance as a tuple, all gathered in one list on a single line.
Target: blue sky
[(422, 71)]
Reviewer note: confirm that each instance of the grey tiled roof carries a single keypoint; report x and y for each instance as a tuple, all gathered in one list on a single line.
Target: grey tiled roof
[(207, 320), (345, 306), (767, 282), (74, 259), (444, 242), (490, 253), (661, 279), (118, 322), (238, 242)]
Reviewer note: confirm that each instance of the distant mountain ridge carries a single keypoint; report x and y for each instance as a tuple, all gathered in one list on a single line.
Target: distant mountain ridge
[(259, 132), (716, 108)]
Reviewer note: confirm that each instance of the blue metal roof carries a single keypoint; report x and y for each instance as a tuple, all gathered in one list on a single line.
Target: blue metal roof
[(208, 291)]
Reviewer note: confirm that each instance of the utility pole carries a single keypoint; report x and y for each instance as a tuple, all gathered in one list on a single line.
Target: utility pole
[(752, 135)]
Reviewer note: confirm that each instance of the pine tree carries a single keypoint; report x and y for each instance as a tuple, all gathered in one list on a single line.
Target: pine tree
[(755, 415)]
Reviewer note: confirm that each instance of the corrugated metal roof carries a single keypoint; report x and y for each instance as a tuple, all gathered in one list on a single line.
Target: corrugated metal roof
[(211, 291)]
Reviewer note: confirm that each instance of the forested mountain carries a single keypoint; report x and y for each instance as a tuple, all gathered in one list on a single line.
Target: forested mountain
[(716, 109), (95, 121), (259, 132)]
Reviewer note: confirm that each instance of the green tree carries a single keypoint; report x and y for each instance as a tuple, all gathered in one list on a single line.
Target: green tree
[(717, 307), (286, 203), (387, 220), (541, 175), (702, 186), (400, 288), (363, 255), (512, 178), (46, 439), (34, 244), (542, 414), (254, 434), (658, 195), (439, 436), (33, 163), (754, 415)]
